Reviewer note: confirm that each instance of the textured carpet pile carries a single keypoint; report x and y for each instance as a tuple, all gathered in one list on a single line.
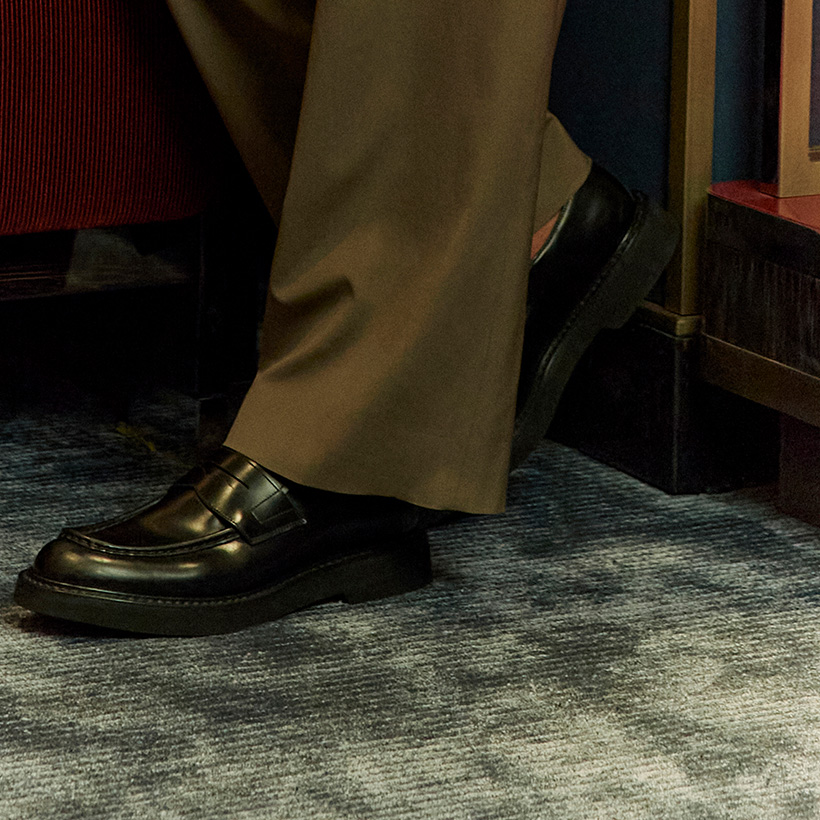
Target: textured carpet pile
[(600, 651)]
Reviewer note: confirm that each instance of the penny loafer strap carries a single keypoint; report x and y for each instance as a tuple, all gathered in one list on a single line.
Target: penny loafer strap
[(244, 495)]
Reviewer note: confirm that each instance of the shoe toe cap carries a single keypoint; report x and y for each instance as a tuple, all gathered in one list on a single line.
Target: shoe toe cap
[(66, 560)]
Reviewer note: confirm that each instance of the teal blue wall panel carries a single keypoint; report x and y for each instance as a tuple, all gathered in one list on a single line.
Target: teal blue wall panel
[(739, 84), (611, 87)]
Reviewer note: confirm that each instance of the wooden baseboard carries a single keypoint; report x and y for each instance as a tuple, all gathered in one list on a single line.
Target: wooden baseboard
[(635, 402), (760, 379)]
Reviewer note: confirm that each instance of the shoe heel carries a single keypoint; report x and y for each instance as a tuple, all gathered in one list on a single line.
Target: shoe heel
[(402, 567)]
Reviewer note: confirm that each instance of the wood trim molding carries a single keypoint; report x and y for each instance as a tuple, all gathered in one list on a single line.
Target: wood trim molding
[(672, 324), (694, 35), (760, 379)]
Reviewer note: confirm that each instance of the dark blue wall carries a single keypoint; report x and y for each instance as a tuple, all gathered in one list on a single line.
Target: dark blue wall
[(739, 90), (611, 87)]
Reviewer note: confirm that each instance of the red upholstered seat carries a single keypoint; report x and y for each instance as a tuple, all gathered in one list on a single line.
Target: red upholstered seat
[(103, 117)]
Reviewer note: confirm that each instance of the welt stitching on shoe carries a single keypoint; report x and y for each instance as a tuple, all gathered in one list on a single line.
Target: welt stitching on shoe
[(185, 602), (188, 546)]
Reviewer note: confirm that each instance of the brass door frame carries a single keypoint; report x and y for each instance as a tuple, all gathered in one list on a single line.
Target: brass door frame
[(691, 143)]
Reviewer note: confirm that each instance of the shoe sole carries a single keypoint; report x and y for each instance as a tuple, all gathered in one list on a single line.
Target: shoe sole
[(624, 283), (389, 570)]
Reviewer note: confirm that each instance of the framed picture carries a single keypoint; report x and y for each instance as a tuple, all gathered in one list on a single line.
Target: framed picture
[(798, 137)]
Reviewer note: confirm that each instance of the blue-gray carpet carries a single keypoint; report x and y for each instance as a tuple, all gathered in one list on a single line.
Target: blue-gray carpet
[(601, 651)]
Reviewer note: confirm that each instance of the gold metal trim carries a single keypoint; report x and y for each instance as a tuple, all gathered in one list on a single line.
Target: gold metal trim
[(672, 324), (694, 34)]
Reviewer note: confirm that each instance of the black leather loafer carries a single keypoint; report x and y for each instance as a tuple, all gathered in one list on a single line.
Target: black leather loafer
[(229, 545), (606, 251)]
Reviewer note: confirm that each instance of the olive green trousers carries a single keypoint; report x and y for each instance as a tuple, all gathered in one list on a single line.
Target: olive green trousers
[(406, 151)]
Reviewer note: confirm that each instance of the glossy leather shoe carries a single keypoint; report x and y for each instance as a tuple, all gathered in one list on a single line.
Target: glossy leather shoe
[(606, 251), (229, 545), (232, 545)]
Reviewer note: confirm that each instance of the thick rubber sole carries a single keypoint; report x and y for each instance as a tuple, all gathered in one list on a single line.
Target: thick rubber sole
[(624, 283), (376, 573)]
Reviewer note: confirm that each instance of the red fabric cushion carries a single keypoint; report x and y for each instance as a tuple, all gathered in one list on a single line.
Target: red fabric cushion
[(103, 117)]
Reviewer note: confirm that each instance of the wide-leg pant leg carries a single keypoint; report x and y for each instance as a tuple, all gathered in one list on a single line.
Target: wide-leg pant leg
[(423, 159)]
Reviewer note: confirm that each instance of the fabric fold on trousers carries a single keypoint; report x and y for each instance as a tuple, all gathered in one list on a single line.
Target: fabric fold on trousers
[(424, 153)]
